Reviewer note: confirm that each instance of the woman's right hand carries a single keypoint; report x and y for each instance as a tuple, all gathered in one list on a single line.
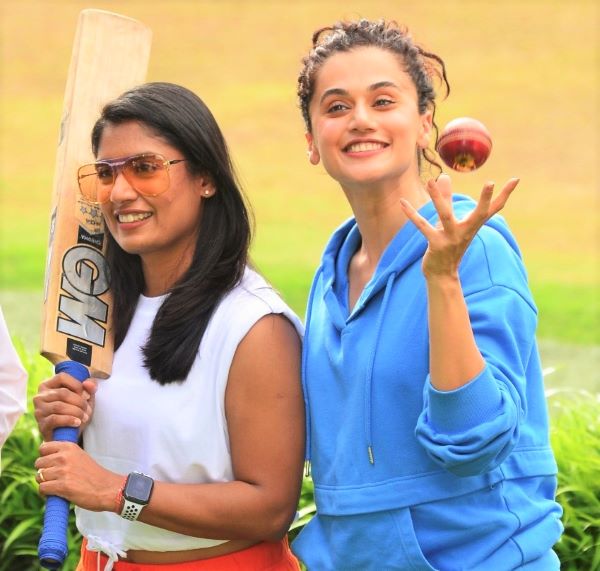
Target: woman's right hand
[(63, 401)]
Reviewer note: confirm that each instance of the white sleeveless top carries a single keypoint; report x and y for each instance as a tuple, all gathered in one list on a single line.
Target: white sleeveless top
[(176, 432)]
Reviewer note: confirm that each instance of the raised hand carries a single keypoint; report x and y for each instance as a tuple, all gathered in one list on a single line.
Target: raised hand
[(450, 238)]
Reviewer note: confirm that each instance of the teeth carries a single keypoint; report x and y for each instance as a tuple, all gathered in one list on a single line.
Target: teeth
[(366, 146), (133, 217)]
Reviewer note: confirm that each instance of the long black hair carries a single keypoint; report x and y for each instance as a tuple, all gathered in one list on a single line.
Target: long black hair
[(181, 118)]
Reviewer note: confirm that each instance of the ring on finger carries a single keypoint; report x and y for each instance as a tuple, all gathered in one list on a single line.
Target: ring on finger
[(40, 474)]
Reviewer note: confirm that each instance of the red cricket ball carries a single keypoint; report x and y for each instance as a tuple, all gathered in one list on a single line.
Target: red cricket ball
[(464, 144)]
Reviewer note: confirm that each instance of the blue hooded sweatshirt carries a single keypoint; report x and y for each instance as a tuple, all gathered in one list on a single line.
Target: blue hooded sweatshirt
[(407, 476)]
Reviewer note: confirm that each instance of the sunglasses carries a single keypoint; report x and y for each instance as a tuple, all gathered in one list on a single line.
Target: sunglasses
[(147, 174)]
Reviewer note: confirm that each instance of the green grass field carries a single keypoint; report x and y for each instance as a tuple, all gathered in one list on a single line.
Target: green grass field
[(528, 69)]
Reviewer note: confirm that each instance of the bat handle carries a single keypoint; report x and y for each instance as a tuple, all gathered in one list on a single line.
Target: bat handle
[(53, 546)]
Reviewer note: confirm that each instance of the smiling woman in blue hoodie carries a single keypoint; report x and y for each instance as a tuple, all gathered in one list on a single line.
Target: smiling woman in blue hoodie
[(427, 423)]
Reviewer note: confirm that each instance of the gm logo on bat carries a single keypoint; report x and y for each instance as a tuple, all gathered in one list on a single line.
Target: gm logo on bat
[(84, 279)]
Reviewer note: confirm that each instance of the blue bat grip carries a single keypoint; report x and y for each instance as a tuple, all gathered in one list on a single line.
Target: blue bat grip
[(53, 549)]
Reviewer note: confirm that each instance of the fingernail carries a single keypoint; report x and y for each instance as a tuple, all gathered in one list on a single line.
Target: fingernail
[(86, 395), (77, 422), (86, 417)]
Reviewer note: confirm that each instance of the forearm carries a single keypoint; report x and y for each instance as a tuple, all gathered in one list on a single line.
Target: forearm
[(454, 357), (229, 510), (232, 510)]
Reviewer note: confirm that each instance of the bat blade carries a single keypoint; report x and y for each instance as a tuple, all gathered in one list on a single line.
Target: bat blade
[(110, 55)]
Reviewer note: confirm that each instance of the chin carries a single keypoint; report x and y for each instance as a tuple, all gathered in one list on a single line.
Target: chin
[(131, 247), (366, 179)]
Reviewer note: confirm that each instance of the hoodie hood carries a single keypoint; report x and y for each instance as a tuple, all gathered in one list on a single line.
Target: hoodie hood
[(407, 246)]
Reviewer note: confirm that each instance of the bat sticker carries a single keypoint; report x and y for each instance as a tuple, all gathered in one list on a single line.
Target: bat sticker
[(84, 280)]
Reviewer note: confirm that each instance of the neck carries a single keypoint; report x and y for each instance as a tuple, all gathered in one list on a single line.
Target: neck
[(161, 274), (379, 215)]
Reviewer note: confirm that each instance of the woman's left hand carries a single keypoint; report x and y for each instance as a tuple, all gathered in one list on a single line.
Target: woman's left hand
[(65, 470), (449, 239)]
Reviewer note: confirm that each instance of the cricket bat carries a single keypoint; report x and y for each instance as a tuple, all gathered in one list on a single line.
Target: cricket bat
[(110, 55)]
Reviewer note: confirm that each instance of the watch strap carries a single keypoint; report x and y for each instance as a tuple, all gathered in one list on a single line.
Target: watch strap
[(131, 510)]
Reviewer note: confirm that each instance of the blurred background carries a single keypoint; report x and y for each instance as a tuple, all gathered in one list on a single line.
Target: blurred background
[(528, 69)]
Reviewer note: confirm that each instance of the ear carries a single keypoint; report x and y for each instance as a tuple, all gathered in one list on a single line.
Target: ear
[(313, 153), (425, 130), (206, 186)]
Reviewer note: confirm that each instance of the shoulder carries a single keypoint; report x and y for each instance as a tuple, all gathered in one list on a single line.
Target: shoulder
[(268, 336), (494, 259), (250, 300), (254, 288)]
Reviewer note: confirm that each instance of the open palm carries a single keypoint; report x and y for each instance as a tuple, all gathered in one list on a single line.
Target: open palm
[(450, 238)]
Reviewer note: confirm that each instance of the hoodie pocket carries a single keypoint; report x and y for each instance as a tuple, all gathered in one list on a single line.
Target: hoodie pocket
[(406, 532), (381, 541)]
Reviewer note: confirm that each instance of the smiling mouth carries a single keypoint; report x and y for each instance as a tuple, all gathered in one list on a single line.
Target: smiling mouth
[(124, 218), (364, 147)]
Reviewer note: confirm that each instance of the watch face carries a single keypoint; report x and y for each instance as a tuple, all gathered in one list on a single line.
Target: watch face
[(138, 488)]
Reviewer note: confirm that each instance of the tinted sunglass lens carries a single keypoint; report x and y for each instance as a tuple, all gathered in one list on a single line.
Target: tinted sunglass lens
[(90, 183), (147, 173)]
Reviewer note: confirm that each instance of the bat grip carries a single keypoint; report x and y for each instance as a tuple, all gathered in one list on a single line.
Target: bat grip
[(53, 546)]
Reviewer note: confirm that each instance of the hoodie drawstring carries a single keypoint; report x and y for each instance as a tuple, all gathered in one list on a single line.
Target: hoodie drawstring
[(371, 364)]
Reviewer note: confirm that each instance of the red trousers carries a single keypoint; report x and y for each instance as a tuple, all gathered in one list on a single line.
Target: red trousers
[(265, 556)]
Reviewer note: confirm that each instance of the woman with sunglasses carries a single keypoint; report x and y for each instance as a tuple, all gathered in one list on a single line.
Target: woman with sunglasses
[(426, 417), (192, 449)]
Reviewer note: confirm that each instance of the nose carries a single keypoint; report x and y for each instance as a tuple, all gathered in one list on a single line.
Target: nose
[(362, 117), (122, 190)]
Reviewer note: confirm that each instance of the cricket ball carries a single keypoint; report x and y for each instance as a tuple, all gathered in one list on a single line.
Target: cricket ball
[(464, 144)]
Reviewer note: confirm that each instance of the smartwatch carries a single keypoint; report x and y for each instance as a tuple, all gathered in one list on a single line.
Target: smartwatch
[(136, 494)]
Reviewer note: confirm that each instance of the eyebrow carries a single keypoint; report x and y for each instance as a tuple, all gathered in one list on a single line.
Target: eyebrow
[(343, 92)]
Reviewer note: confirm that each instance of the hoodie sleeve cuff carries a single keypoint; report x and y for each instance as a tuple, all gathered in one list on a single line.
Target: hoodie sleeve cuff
[(468, 406)]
